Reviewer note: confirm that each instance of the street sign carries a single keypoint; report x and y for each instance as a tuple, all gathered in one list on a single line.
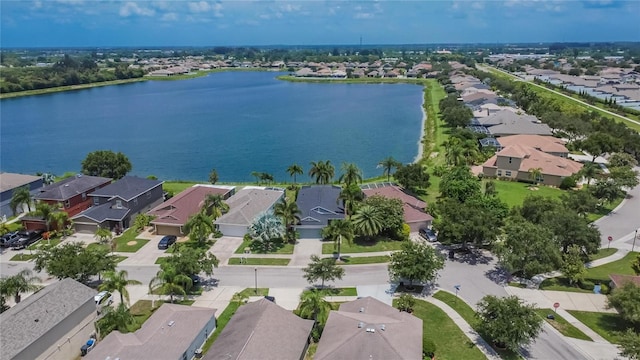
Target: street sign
[(556, 306), (610, 238), (457, 287)]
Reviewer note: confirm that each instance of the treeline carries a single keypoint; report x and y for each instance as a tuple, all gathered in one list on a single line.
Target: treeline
[(67, 71)]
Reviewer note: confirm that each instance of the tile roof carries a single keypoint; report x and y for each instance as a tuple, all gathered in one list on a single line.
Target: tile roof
[(532, 159), (619, 280), (412, 206), (347, 334), (262, 330), (156, 339), (318, 204), (70, 187), (547, 144), (247, 203), (36, 315), (127, 188), (10, 181), (176, 211)]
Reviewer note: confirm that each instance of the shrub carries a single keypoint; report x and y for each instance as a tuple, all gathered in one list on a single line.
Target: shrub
[(568, 183), (406, 303), (406, 230), (428, 348)]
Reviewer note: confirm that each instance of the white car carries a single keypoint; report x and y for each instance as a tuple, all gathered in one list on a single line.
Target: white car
[(102, 299)]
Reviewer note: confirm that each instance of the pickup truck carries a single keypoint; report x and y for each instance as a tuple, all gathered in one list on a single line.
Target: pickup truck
[(8, 239), (26, 238)]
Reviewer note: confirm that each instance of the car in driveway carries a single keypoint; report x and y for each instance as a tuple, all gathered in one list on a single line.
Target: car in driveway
[(428, 235), (103, 299), (27, 238), (167, 241), (9, 238)]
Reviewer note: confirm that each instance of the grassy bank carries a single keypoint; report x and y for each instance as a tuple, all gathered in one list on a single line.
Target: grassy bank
[(69, 88), (353, 80), (562, 325)]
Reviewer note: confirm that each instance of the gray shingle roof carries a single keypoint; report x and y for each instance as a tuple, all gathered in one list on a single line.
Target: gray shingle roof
[(247, 203), (262, 330), (156, 339), (506, 122), (36, 315), (10, 181), (70, 187), (318, 204), (395, 335), (127, 188), (104, 212)]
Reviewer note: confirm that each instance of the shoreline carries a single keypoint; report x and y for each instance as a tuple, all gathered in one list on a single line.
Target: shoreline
[(420, 154)]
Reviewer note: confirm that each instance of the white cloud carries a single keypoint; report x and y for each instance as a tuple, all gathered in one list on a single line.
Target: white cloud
[(363, 16), (132, 8), (477, 5), (37, 4), (198, 7), (217, 10), (290, 8), (169, 17)]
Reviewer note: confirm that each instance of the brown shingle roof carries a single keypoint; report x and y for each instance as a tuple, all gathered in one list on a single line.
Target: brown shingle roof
[(619, 280), (262, 330), (348, 335), (532, 159), (176, 211), (412, 206)]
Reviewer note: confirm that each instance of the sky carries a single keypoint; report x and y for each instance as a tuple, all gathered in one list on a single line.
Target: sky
[(110, 23)]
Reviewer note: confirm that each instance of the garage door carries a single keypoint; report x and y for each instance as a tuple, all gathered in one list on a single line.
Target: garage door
[(233, 230), (168, 230), (310, 233), (86, 228)]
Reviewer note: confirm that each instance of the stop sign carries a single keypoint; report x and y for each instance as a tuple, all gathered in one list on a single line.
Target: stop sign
[(610, 238), (556, 305)]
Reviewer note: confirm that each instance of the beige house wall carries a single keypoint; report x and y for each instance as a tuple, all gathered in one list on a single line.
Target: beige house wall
[(168, 230)]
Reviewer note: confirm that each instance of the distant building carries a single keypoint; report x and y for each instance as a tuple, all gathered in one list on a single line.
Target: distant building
[(9, 182)]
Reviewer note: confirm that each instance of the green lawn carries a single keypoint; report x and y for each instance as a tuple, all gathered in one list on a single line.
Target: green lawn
[(602, 253), (349, 291), (605, 324), (126, 242), (513, 193), (191, 244), (360, 245), (259, 261), (43, 244), (176, 187), (347, 260), (277, 247), (451, 343), (562, 325), (604, 210), (22, 257), (252, 292)]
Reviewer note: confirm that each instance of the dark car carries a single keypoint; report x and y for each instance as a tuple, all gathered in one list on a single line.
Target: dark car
[(9, 238), (428, 235), (195, 279), (166, 241), (27, 238)]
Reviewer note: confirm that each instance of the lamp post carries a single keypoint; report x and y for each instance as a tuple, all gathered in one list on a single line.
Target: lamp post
[(635, 236), (255, 271)]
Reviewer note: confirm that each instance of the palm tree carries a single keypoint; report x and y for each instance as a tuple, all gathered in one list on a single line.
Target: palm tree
[(48, 178), (257, 175), (199, 226), (266, 178), (169, 282), (351, 174), (293, 170), (4, 293), (115, 319), (350, 195), (289, 212), (535, 174), (21, 196), (455, 155), (45, 210), (388, 164), (117, 281), (322, 171), (590, 171), (367, 221), (59, 219), (20, 283), (214, 206), (314, 306), (337, 231), (103, 235), (470, 151)]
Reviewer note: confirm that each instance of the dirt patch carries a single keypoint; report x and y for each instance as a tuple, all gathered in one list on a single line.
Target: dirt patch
[(533, 188), (131, 243)]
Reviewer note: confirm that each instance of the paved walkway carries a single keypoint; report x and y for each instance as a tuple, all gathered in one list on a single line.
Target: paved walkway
[(303, 250), (567, 300), (582, 327)]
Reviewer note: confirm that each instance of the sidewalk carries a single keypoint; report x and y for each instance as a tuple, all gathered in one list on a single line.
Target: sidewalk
[(567, 300)]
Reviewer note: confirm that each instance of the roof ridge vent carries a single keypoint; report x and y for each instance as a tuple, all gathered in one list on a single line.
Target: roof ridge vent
[(360, 325), (361, 309)]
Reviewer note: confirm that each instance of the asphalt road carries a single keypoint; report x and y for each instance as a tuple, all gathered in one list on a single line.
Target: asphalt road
[(623, 221)]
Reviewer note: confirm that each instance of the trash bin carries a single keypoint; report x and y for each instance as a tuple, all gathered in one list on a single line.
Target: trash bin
[(452, 254), (198, 353)]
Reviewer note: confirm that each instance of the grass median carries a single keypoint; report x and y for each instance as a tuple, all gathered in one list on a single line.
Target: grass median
[(259, 261), (562, 325)]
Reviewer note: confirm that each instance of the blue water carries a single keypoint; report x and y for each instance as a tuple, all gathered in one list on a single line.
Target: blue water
[(236, 122)]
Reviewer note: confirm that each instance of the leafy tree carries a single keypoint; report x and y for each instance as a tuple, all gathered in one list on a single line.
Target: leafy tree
[(103, 235), (117, 281), (45, 210), (106, 163), (293, 170), (74, 260), (497, 316), (458, 116), (573, 264), (118, 318), (629, 343), (267, 227), (581, 201), (213, 176), (391, 213), (20, 196), (535, 175), (337, 231), (141, 222), (289, 213), (635, 265), (415, 262), (621, 159), (214, 206), (313, 306), (590, 171), (599, 143), (412, 176), (535, 207), (200, 227), (569, 228), (351, 174), (324, 269), (406, 302), (367, 221), (623, 176), (625, 300), (606, 191), (388, 164), (169, 282), (20, 283), (528, 249), (459, 184), (187, 260), (322, 171)]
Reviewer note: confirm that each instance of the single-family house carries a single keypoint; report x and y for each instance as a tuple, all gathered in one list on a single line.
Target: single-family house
[(115, 205), (506, 122), (9, 182), (618, 280), (367, 329), (262, 330), (72, 194), (549, 144), (318, 205), (171, 216), (173, 332), (52, 323), (413, 208), (516, 162), (244, 207)]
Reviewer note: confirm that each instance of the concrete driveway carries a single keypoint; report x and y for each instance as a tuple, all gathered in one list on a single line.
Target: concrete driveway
[(218, 298), (225, 247)]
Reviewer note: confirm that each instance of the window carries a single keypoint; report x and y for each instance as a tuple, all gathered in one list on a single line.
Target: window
[(67, 204), (84, 196), (507, 173), (510, 160), (96, 201), (118, 204), (499, 172)]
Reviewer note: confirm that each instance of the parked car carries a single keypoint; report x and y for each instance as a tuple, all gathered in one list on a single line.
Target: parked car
[(9, 238), (102, 299), (428, 235), (167, 241), (195, 279), (27, 238)]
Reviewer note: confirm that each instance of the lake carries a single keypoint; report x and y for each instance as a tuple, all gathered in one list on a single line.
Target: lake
[(235, 122)]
